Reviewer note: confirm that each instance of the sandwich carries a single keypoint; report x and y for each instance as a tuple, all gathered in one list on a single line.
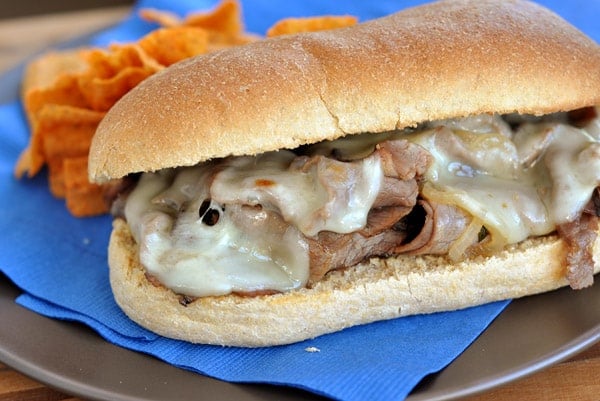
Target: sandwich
[(434, 159)]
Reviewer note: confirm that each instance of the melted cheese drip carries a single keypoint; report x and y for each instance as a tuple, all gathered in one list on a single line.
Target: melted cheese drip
[(193, 258)]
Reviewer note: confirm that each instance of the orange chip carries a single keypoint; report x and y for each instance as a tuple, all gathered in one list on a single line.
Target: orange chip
[(112, 74), (65, 90), (223, 24), (57, 114), (169, 45), (310, 24), (32, 158), (43, 71), (56, 179), (67, 94), (82, 197), (102, 94), (100, 63), (25, 163), (66, 131), (64, 93), (226, 18), (132, 55), (161, 17), (106, 64)]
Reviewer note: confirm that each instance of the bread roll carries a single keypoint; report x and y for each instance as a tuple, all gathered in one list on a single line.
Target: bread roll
[(376, 290), (442, 60), (447, 59)]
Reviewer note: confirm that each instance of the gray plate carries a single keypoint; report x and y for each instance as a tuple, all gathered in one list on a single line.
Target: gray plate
[(531, 334)]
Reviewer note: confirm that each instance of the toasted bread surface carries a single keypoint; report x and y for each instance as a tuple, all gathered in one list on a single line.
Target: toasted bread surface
[(442, 60), (379, 289)]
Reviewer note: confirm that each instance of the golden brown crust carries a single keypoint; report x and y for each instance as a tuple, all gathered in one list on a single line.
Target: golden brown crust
[(378, 290), (446, 59)]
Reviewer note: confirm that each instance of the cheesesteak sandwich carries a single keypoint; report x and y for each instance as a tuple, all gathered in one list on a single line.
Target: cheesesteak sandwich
[(435, 159)]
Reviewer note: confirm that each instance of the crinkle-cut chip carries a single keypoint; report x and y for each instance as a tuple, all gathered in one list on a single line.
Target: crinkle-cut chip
[(170, 45), (65, 90), (310, 24), (43, 71), (108, 63), (65, 95), (161, 17), (49, 79), (83, 198), (56, 178), (44, 113), (32, 159), (225, 18), (102, 94), (113, 73), (59, 114), (100, 63), (223, 24), (133, 55), (24, 163), (66, 131)]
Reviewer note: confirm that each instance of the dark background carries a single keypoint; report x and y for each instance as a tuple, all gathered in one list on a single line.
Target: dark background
[(21, 8)]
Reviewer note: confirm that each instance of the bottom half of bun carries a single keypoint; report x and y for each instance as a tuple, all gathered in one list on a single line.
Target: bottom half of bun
[(375, 290)]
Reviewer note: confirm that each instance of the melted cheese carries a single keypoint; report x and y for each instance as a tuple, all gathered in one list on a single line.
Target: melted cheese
[(573, 163), (281, 181), (516, 184), (194, 258), (536, 185)]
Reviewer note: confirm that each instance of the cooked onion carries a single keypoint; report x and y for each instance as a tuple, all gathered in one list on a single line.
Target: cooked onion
[(459, 250), (495, 240)]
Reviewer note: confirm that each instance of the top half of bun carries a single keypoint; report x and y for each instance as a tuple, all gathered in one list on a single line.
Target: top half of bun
[(442, 60)]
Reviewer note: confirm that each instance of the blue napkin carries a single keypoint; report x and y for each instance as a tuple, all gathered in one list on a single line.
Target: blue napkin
[(60, 264)]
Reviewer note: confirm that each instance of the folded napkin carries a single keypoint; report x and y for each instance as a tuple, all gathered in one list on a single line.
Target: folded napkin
[(60, 264)]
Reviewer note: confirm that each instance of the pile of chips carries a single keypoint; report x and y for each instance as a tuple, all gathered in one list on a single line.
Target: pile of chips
[(66, 94)]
